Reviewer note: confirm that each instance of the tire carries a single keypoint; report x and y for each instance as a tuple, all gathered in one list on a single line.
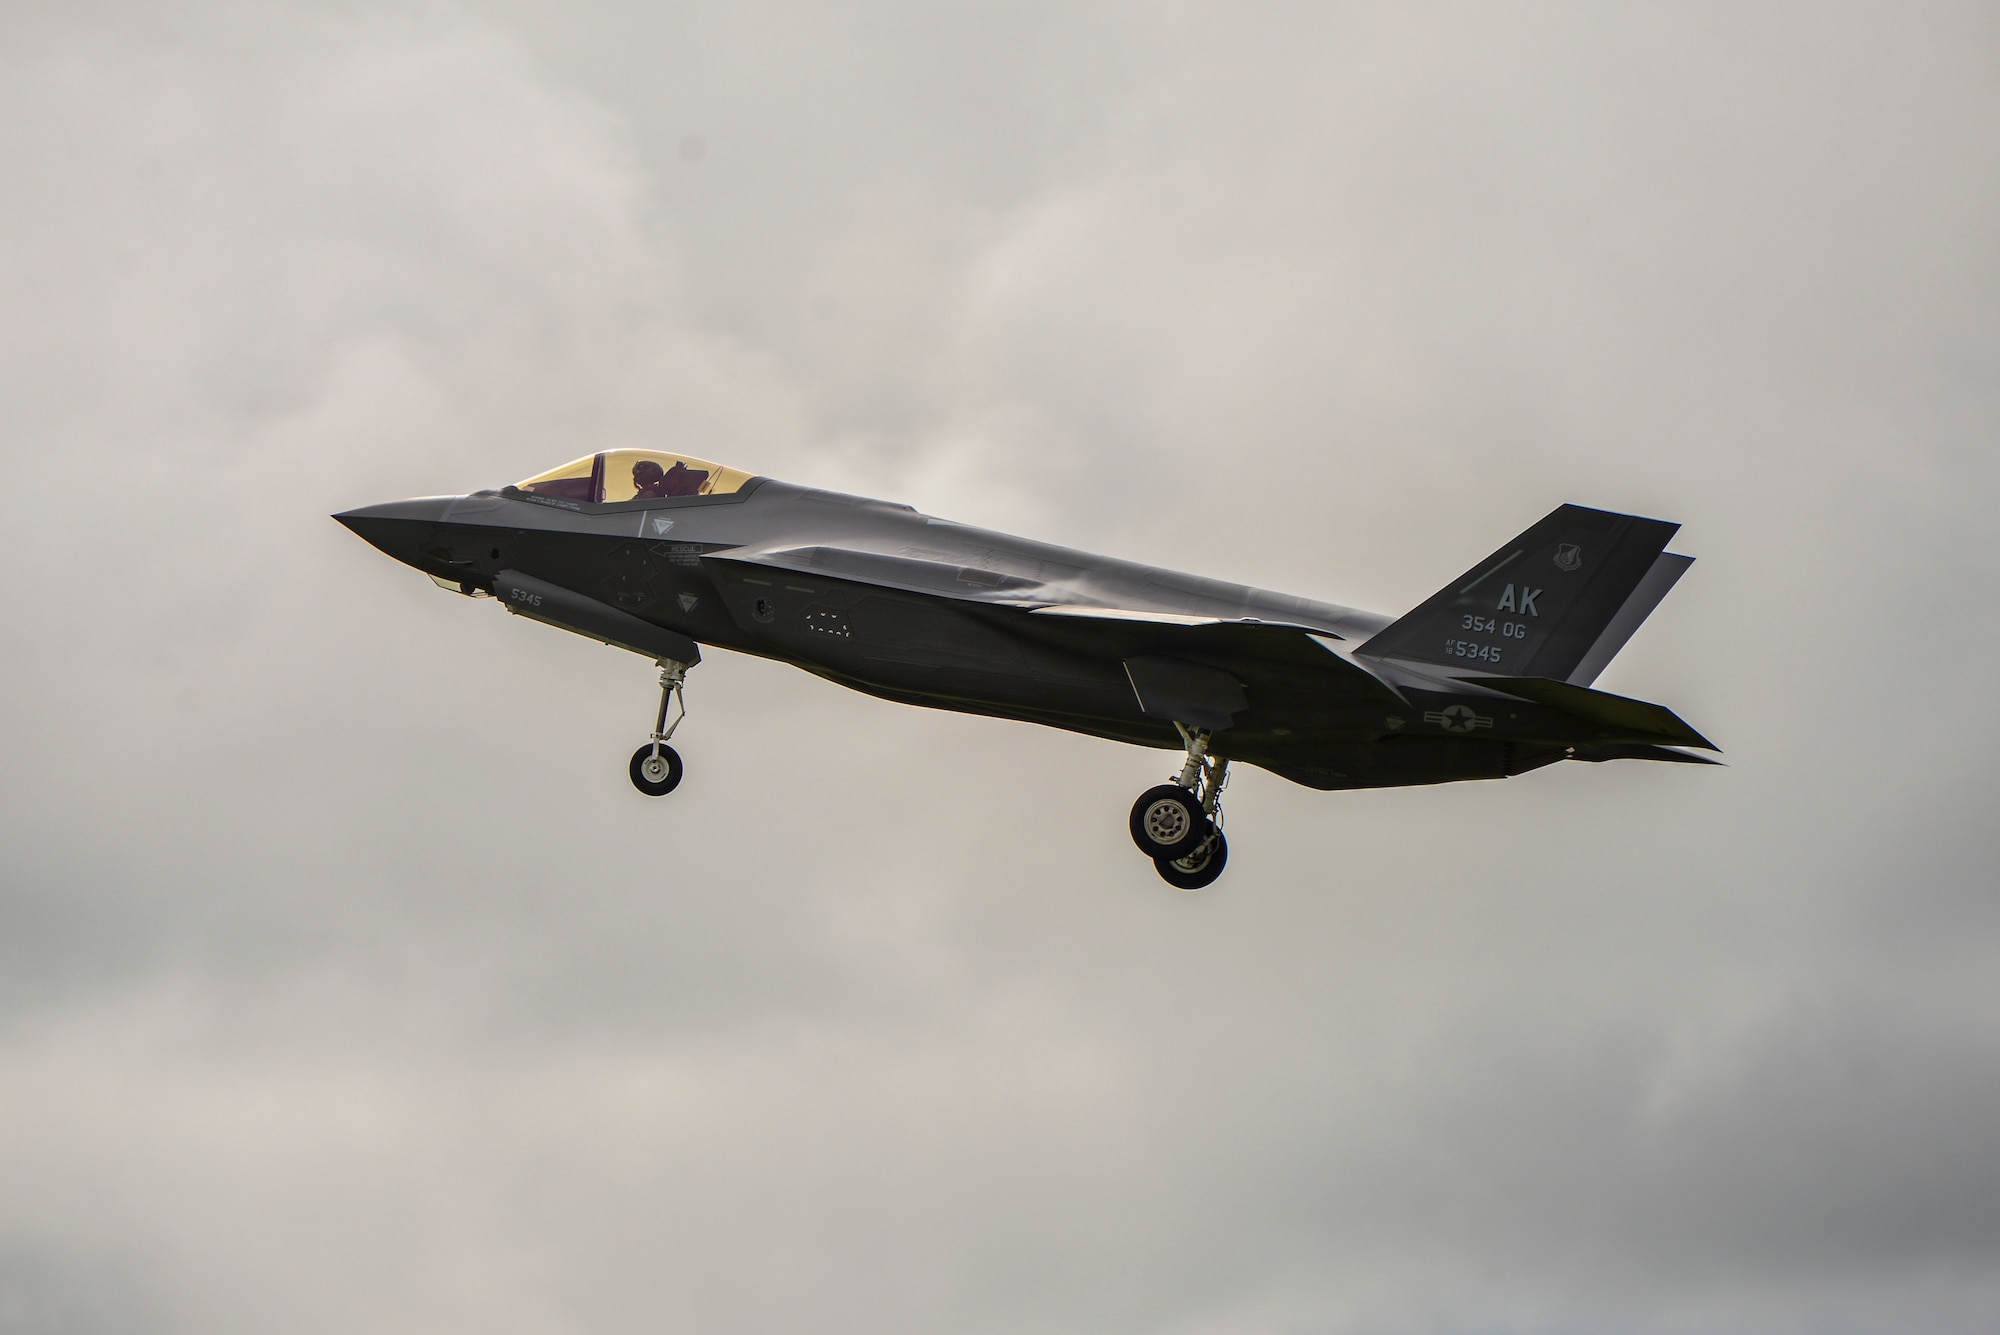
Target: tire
[(1167, 822), (1197, 869), (656, 780)]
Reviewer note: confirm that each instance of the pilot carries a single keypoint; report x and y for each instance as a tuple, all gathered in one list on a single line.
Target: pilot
[(650, 481)]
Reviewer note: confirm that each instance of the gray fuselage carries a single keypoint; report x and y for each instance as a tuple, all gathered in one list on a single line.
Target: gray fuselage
[(881, 598)]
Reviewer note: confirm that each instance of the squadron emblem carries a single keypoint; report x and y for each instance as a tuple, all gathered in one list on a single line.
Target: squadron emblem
[(1569, 556)]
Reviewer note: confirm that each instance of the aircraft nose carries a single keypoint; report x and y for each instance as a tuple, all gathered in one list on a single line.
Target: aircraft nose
[(401, 529)]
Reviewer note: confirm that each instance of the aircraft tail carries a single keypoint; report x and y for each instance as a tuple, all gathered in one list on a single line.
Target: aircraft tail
[(1559, 601)]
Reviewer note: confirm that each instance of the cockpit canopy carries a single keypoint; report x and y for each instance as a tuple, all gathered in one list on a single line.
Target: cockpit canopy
[(635, 475)]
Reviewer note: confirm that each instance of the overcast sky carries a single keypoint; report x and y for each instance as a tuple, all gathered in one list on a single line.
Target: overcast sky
[(347, 986)]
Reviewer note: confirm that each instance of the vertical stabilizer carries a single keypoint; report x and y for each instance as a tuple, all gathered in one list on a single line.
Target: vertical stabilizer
[(1667, 569), (1556, 602)]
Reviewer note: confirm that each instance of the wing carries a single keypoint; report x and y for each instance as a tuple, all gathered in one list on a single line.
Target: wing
[(1168, 666)]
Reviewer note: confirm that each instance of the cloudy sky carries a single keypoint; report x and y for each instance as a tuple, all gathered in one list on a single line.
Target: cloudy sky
[(347, 986)]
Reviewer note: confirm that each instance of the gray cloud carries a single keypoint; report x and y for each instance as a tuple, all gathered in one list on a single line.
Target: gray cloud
[(344, 984)]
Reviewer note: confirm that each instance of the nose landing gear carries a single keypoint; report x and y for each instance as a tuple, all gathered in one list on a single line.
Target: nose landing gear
[(1179, 825), (656, 767)]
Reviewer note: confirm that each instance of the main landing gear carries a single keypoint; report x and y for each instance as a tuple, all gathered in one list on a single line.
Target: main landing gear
[(1179, 825), (656, 767)]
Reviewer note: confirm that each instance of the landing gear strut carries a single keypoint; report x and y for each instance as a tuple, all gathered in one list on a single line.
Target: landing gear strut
[(1179, 825), (656, 767)]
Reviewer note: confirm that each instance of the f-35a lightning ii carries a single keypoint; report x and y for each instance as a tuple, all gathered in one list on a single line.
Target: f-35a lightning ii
[(658, 553)]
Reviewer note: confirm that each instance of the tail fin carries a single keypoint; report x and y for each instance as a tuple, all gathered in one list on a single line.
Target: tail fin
[(1558, 601)]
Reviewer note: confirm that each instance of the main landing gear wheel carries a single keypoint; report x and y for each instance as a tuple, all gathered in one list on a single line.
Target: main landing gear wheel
[(1198, 868), (656, 769), (1168, 822), (1179, 825)]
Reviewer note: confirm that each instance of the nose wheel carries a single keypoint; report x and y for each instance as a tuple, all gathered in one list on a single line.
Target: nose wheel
[(1179, 825), (656, 767)]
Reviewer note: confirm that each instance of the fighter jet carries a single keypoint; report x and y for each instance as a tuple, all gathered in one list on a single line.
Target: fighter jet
[(661, 553)]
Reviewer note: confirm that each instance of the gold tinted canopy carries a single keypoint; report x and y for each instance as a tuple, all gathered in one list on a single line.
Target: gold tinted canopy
[(635, 475)]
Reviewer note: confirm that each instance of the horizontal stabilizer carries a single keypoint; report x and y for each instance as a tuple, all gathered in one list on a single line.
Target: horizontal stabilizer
[(1622, 719), (1556, 602), (1640, 751)]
